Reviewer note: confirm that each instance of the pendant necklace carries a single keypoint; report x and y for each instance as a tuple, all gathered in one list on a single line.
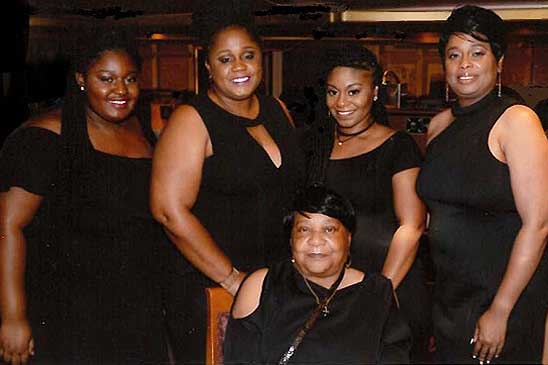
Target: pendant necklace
[(351, 135), (325, 309)]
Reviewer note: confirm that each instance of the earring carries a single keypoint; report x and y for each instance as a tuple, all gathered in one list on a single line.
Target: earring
[(292, 260), (328, 114), (348, 261), (82, 88), (446, 92), (375, 98), (499, 84)]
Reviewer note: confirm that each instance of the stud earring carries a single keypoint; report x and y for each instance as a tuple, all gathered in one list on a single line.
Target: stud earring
[(292, 260), (82, 88), (375, 98)]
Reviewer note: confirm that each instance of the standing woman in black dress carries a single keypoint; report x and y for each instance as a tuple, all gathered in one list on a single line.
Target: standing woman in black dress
[(375, 167), (485, 183), (225, 168), (79, 249)]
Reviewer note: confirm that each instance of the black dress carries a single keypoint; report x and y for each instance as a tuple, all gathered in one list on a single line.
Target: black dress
[(473, 225), (363, 325), (242, 200), (366, 180), (96, 300)]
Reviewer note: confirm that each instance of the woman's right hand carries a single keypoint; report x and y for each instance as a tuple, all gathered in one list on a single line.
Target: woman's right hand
[(16, 342)]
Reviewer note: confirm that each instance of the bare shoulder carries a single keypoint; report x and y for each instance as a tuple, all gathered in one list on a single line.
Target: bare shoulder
[(438, 123), (519, 116), (50, 120), (248, 297)]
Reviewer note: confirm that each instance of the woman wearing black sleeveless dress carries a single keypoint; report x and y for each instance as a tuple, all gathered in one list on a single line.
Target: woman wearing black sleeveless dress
[(375, 167), (224, 169), (485, 183), (80, 252)]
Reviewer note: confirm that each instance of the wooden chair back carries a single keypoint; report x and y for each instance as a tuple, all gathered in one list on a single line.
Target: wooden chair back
[(219, 302)]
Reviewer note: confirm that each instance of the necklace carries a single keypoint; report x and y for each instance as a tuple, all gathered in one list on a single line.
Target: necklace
[(326, 301), (351, 135)]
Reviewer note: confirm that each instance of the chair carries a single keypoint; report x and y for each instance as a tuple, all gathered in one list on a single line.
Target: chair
[(219, 302)]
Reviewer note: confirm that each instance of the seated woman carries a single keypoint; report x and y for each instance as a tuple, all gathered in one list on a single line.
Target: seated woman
[(317, 308)]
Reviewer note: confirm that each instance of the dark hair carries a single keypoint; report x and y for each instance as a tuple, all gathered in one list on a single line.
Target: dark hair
[(320, 199), (319, 142), (212, 17), (480, 23)]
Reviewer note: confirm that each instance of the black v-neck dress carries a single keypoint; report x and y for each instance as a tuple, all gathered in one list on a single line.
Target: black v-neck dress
[(242, 200), (473, 225)]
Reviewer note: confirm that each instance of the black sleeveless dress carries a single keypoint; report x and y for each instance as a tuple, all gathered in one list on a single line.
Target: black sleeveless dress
[(364, 325), (242, 200), (97, 300), (366, 180), (473, 225)]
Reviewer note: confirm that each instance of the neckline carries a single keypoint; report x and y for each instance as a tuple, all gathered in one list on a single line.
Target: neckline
[(367, 152), (459, 111), (241, 120)]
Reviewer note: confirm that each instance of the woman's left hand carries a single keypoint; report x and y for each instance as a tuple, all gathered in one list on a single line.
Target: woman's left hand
[(489, 335)]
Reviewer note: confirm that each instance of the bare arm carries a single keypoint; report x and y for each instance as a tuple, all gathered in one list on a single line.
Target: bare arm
[(176, 176), (411, 215), (524, 148), (17, 207)]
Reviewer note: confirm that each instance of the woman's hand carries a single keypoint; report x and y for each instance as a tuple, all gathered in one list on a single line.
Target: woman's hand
[(16, 343), (490, 335)]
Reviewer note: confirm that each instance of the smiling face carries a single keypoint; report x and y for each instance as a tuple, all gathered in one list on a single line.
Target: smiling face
[(112, 87), (349, 97), (320, 247), (470, 68), (235, 64)]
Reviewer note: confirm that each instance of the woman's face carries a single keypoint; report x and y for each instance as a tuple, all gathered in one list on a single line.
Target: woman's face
[(320, 247), (470, 68), (349, 97), (112, 86), (235, 64)]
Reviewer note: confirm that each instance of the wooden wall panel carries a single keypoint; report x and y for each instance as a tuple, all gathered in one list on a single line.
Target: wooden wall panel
[(406, 62), (175, 61), (540, 65), (517, 64)]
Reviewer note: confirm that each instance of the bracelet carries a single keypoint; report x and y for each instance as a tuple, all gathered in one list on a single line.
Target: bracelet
[(230, 279)]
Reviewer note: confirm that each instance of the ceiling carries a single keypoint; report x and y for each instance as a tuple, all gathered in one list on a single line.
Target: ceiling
[(275, 17)]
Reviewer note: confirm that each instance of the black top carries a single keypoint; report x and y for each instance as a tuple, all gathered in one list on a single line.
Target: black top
[(99, 296), (473, 225), (243, 196), (363, 325), (366, 180)]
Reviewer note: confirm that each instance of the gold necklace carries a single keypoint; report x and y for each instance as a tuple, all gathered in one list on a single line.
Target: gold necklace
[(351, 135), (325, 309)]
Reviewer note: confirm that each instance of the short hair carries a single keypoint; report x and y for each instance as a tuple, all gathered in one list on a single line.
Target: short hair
[(479, 23), (211, 17), (320, 199)]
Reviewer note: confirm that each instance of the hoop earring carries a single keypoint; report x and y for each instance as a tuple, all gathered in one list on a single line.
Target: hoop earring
[(499, 84)]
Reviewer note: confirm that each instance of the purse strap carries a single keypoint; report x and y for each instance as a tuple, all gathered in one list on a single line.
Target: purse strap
[(311, 320)]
